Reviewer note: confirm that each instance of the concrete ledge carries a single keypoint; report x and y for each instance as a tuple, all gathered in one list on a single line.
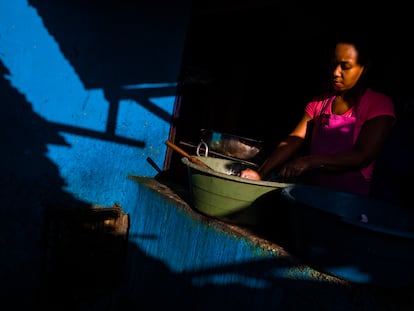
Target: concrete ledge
[(203, 263)]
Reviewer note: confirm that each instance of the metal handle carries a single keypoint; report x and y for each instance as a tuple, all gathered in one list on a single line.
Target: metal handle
[(202, 144)]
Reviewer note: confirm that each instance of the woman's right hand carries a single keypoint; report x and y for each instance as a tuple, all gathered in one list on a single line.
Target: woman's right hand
[(250, 174)]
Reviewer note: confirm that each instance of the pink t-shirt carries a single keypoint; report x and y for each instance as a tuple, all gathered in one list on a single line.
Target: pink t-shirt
[(371, 105)]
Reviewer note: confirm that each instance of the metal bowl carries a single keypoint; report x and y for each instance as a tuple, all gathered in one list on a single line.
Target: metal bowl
[(232, 145)]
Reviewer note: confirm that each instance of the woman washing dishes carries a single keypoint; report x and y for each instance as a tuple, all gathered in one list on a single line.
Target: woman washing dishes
[(347, 128)]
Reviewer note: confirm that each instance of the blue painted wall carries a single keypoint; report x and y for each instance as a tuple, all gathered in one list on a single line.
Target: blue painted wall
[(87, 93), (103, 75)]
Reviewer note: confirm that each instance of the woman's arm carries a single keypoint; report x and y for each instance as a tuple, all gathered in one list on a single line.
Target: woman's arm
[(369, 143), (283, 152)]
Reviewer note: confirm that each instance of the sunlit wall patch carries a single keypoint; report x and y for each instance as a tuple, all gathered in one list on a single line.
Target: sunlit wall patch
[(40, 72)]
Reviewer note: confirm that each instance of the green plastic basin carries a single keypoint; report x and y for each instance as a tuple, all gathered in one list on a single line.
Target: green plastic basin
[(215, 192)]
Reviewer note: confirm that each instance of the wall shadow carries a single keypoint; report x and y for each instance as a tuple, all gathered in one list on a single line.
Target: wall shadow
[(30, 182)]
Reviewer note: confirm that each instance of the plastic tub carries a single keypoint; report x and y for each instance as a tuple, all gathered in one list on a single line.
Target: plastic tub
[(216, 192)]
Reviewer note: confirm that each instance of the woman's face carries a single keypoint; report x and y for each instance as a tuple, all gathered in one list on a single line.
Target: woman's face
[(346, 71)]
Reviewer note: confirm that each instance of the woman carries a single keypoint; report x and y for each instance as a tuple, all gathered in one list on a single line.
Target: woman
[(346, 127)]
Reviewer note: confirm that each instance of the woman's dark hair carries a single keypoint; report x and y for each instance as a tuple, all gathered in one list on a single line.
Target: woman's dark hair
[(362, 43)]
